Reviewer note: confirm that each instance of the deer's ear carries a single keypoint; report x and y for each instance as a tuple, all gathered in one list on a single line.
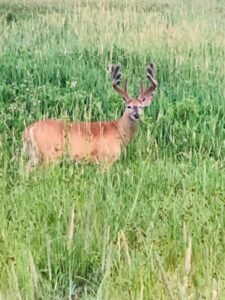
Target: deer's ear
[(147, 100)]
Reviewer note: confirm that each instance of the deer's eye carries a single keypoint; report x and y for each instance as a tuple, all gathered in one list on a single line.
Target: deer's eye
[(140, 107), (129, 106)]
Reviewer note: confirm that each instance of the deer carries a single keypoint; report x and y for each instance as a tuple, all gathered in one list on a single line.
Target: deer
[(95, 142)]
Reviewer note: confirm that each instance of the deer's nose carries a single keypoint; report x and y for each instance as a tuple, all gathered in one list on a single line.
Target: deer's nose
[(136, 115)]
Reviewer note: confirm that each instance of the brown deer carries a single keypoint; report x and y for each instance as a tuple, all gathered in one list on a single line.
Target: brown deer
[(47, 140)]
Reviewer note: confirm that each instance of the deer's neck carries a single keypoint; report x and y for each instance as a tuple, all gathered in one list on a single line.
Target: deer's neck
[(126, 128)]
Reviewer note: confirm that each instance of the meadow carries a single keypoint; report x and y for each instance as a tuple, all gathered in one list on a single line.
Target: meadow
[(153, 225)]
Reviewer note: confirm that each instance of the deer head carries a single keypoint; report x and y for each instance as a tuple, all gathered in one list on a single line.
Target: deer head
[(134, 106)]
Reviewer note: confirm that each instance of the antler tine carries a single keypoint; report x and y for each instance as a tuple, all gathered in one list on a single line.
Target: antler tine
[(116, 77), (150, 74), (115, 70), (151, 78)]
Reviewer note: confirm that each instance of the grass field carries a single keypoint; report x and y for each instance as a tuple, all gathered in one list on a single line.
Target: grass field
[(153, 225)]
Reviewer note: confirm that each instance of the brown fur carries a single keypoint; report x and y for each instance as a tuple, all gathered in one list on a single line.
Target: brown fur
[(91, 141), (98, 142)]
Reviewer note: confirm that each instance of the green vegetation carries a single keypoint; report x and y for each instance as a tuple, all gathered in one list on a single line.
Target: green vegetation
[(133, 222)]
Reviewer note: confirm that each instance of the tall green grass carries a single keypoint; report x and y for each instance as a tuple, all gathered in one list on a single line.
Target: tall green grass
[(137, 223)]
